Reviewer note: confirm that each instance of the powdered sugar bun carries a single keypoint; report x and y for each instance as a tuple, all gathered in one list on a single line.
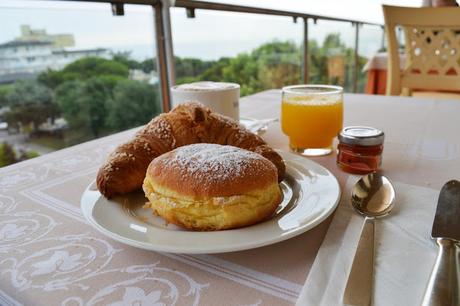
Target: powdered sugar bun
[(210, 186), (209, 170)]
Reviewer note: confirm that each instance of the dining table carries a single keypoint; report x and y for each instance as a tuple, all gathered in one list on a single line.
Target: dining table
[(50, 255)]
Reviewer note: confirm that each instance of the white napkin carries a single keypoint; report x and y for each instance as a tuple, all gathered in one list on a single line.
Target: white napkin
[(404, 252)]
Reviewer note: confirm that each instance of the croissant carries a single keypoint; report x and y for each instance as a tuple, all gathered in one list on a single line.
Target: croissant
[(125, 168)]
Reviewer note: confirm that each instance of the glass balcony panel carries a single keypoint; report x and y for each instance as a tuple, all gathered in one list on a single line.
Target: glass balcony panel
[(71, 72), (259, 52)]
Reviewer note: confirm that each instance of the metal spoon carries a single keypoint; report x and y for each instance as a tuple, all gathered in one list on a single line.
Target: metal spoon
[(373, 196)]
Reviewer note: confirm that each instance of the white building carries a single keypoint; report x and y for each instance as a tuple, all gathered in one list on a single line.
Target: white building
[(25, 57)]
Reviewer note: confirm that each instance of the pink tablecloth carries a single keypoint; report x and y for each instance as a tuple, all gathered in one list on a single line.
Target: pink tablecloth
[(50, 256)]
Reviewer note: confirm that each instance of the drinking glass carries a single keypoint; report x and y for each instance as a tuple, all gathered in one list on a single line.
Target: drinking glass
[(312, 116)]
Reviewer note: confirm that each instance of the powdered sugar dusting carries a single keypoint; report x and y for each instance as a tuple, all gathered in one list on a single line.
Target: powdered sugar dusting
[(211, 163), (162, 129)]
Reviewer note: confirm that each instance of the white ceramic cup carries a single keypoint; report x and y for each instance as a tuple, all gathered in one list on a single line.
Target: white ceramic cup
[(220, 97)]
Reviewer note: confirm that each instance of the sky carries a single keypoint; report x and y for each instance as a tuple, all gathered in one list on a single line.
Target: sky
[(210, 35)]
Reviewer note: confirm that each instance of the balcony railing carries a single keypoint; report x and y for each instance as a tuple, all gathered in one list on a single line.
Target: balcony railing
[(164, 40)]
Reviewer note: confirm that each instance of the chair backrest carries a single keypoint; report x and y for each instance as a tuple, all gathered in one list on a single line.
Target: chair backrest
[(432, 48)]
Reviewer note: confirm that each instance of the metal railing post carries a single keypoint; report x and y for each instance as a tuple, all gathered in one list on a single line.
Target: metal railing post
[(356, 69), (305, 52), (165, 55)]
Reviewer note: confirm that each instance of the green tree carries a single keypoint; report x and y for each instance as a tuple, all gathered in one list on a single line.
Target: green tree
[(278, 64), (4, 91), (242, 69), (186, 69), (97, 92), (84, 69), (149, 65), (94, 67), (133, 104), (28, 155), (7, 155), (317, 63), (333, 41), (271, 65), (189, 67), (68, 96), (83, 103), (29, 92), (31, 103), (334, 46), (216, 71), (51, 78), (125, 59)]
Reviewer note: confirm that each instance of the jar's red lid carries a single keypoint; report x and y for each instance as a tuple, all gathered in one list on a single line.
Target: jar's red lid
[(361, 135)]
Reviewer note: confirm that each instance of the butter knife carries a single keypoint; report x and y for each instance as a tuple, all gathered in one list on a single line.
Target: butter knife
[(443, 285)]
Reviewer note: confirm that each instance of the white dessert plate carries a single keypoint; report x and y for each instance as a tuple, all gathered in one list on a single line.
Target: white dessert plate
[(310, 195)]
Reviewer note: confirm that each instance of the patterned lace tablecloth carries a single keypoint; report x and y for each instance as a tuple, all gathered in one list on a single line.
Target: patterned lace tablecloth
[(49, 255)]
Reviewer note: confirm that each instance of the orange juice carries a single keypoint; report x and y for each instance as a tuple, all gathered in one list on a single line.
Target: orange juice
[(311, 122)]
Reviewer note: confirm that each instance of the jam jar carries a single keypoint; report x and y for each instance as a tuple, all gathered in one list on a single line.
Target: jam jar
[(360, 149)]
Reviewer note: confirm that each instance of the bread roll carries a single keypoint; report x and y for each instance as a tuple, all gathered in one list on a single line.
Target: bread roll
[(212, 187)]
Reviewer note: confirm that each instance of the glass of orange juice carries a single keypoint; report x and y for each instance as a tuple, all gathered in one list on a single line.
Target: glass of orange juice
[(312, 116)]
